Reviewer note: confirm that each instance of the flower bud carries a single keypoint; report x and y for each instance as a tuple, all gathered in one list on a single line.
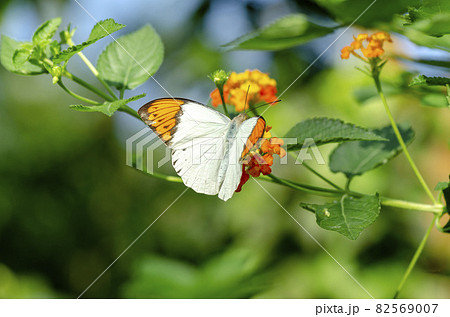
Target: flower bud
[(219, 77)]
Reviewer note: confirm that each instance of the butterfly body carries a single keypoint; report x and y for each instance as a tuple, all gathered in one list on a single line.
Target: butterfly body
[(207, 147)]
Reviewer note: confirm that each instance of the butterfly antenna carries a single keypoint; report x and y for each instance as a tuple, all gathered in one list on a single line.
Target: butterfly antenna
[(246, 95), (265, 104)]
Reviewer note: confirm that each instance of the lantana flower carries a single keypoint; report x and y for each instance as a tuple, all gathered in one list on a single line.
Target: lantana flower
[(372, 49), (247, 88), (259, 159)]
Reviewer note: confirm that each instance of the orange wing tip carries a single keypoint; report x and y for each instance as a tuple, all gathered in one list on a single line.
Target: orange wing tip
[(257, 133), (161, 116)]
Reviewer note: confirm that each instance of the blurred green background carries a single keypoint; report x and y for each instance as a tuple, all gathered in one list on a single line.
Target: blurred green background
[(69, 206)]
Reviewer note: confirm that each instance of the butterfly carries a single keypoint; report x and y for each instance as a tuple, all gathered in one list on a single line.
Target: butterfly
[(208, 148)]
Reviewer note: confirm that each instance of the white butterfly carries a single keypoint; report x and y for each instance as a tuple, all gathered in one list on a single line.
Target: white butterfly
[(207, 147)]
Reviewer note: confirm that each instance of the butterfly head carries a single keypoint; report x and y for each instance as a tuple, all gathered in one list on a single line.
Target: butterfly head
[(241, 117)]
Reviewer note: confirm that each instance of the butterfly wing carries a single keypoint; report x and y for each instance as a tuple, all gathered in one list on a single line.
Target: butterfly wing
[(196, 135), (247, 135)]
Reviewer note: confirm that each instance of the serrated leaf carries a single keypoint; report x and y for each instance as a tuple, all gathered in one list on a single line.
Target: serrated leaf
[(107, 108), (104, 28), (288, 31), (21, 56), (326, 130), (349, 216), (429, 81), (66, 54), (99, 31), (132, 59), (46, 31), (430, 17), (8, 49), (356, 158)]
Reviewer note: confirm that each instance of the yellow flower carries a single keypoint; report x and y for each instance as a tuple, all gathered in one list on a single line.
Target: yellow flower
[(247, 88), (260, 160), (373, 49)]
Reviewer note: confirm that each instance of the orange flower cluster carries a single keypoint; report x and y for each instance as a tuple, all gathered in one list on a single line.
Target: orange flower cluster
[(259, 85), (260, 160), (373, 49)]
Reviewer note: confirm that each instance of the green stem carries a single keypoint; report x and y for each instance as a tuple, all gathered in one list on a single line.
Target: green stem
[(172, 179), (376, 78), (316, 172), (303, 187), (87, 86), (121, 92), (347, 184), (81, 82), (223, 102), (84, 99), (93, 69), (130, 111), (437, 209), (416, 256)]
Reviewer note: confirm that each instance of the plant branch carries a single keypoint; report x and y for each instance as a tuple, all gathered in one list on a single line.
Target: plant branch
[(169, 178), (93, 69), (376, 78), (316, 172), (223, 102), (87, 85), (436, 209), (84, 99), (416, 256), (302, 187), (130, 111)]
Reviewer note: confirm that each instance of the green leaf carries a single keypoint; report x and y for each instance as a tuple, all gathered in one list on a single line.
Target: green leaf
[(66, 54), (421, 38), (448, 94), (429, 81), (431, 17), (326, 130), (348, 216), (288, 31), (107, 108), (446, 228), (436, 25), (367, 13), (21, 56), (8, 49), (356, 158), (441, 186), (46, 31), (434, 100), (432, 62), (104, 28), (99, 31), (364, 94), (445, 187), (132, 59)]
